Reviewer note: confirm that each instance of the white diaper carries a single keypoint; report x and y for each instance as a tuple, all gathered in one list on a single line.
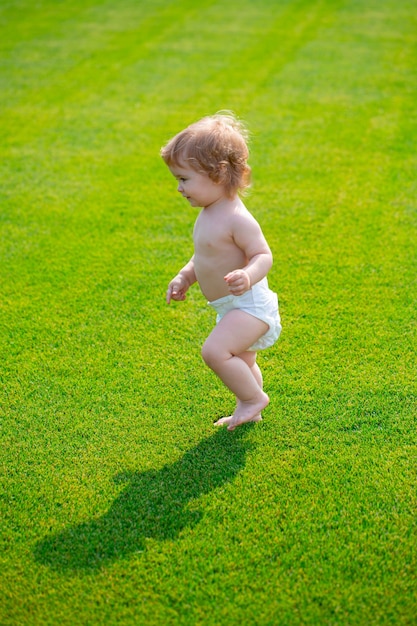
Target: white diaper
[(260, 302)]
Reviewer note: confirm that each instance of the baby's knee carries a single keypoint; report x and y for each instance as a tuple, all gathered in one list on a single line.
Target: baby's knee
[(210, 354)]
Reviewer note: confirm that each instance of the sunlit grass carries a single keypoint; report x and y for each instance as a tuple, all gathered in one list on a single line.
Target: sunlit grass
[(121, 504)]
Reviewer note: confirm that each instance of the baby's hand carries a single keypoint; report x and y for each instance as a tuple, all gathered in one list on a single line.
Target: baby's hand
[(176, 289), (238, 282)]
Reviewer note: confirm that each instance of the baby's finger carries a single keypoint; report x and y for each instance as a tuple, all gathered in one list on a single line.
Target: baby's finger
[(231, 278)]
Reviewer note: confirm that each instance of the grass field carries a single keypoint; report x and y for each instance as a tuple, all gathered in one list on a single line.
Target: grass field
[(120, 503)]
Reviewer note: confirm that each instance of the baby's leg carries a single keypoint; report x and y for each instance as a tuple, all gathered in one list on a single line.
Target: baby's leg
[(232, 336), (250, 359)]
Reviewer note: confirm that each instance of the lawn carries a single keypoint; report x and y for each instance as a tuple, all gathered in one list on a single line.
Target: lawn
[(121, 504)]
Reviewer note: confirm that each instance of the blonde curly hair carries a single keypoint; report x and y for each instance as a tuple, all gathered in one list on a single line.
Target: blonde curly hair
[(215, 145)]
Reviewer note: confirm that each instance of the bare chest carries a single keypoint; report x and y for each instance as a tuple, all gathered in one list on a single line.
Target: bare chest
[(210, 236)]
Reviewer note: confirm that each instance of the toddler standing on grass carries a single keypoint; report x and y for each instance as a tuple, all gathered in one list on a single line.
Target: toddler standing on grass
[(231, 258)]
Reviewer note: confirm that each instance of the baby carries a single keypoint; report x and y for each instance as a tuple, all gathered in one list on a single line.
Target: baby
[(231, 258)]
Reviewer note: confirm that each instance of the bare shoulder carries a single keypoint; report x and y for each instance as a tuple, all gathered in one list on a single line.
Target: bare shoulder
[(247, 233), (243, 220)]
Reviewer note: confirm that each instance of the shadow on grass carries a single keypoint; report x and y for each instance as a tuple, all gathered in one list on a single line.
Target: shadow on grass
[(154, 505)]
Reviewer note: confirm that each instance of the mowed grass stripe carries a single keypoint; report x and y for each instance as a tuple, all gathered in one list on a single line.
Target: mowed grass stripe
[(63, 145), (126, 55), (103, 53)]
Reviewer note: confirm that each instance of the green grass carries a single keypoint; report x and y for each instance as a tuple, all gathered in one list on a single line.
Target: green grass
[(120, 502)]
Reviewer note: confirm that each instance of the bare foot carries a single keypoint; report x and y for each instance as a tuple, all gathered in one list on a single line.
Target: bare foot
[(225, 421), (246, 411)]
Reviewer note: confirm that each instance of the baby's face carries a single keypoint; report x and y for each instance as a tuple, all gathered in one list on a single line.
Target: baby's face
[(196, 187)]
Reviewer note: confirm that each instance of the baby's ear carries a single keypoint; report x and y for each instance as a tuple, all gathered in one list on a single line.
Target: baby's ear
[(221, 173)]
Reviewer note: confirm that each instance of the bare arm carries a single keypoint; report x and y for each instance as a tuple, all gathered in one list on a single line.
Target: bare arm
[(179, 285), (251, 241)]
